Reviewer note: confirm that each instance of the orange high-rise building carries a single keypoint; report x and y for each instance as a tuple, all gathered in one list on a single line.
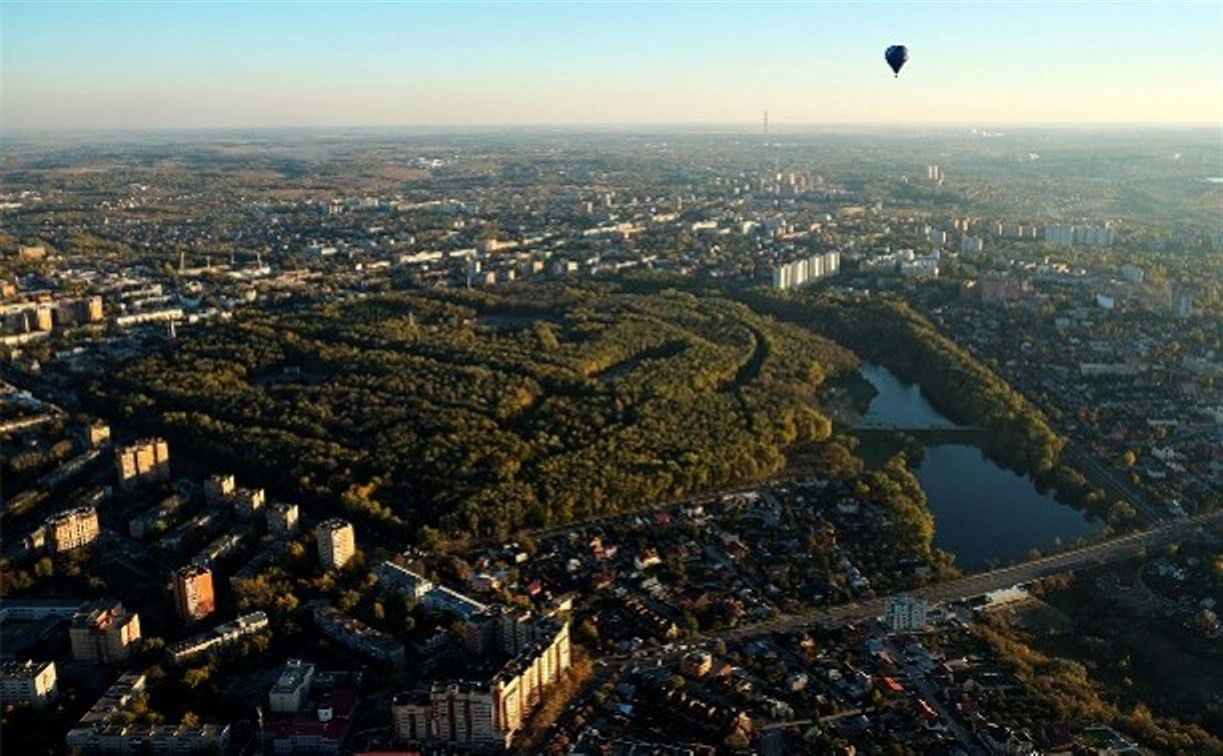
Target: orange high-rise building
[(193, 595)]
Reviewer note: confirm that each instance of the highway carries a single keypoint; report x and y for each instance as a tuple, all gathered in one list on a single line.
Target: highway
[(950, 591), (971, 586)]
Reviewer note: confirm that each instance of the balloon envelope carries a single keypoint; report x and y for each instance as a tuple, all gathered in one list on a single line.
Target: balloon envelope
[(896, 55)]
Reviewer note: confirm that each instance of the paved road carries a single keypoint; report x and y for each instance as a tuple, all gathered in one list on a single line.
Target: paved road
[(1113, 481), (828, 719), (981, 583)]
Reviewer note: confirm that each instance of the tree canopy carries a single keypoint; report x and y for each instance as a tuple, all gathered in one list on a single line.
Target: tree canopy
[(483, 412)]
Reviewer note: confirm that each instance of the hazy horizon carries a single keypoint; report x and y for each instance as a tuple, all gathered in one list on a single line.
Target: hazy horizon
[(180, 65), (914, 129)]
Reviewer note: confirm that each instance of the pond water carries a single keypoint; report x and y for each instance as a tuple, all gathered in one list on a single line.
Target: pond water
[(899, 404), (983, 513)]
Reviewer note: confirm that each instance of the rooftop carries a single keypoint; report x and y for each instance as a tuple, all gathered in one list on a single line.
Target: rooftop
[(296, 672), (22, 669), (100, 615)]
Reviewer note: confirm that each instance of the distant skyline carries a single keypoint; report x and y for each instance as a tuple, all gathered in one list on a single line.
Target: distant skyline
[(219, 64)]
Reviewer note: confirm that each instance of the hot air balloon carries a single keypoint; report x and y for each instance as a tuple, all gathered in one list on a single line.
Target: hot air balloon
[(896, 55)]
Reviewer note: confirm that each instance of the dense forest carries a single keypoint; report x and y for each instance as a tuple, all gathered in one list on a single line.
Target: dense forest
[(482, 413), (1059, 689)]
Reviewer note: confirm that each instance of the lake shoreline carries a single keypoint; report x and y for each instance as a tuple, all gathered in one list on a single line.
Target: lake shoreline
[(985, 514)]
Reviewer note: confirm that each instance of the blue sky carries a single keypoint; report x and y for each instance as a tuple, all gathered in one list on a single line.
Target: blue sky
[(239, 64)]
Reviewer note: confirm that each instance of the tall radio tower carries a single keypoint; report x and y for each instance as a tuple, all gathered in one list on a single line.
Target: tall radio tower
[(766, 122)]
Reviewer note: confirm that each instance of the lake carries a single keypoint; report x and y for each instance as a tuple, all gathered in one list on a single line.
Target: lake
[(899, 404), (983, 513)]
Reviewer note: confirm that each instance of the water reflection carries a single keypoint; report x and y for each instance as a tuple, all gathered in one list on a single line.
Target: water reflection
[(983, 513), (899, 404)]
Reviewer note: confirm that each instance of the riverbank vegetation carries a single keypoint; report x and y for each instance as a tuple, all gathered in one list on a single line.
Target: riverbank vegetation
[(1060, 689), (1014, 432), (887, 331)]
